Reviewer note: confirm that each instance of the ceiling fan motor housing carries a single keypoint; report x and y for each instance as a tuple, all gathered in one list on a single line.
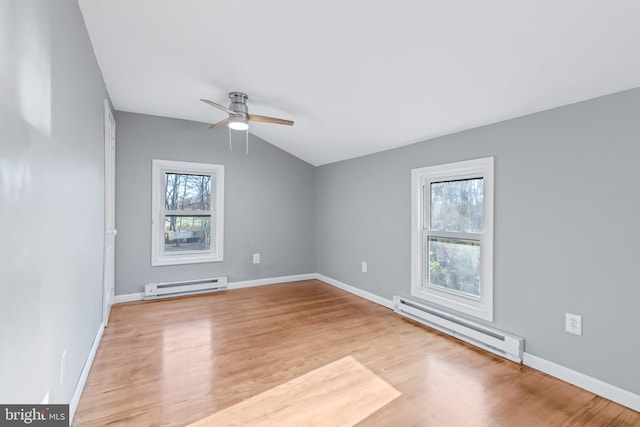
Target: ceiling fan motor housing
[(239, 103)]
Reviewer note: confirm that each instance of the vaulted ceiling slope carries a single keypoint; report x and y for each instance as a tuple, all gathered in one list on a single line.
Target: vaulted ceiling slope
[(362, 76)]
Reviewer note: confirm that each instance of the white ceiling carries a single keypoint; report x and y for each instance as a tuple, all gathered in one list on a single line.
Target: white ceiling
[(362, 76)]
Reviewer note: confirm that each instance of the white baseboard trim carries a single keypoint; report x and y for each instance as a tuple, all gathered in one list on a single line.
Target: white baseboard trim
[(75, 399), (359, 292), (136, 296), (270, 281), (601, 388)]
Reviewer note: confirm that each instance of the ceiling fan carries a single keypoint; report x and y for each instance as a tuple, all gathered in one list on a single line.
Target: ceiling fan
[(239, 116)]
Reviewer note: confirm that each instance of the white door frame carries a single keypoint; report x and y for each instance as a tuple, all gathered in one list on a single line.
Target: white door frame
[(110, 231)]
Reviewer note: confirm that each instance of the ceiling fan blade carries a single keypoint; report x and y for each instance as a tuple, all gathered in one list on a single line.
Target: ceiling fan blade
[(266, 119), (220, 123), (225, 109)]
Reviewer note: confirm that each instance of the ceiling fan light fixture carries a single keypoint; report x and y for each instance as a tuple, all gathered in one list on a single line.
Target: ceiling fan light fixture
[(238, 123)]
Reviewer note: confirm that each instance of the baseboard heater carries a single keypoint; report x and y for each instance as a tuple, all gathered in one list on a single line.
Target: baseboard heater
[(490, 339), (187, 287)]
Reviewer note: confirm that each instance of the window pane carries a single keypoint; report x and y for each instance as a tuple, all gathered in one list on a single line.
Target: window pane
[(455, 265), (187, 192), (457, 205), (187, 233)]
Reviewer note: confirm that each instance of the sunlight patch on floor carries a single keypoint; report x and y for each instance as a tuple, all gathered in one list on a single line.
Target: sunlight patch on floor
[(341, 393)]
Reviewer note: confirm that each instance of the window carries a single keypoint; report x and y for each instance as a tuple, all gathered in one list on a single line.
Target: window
[(188, 208), (452, 236)]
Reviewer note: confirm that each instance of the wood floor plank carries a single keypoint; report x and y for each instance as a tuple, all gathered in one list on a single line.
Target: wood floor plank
[(176, 361)]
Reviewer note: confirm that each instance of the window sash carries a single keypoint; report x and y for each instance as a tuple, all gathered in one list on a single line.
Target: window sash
[(457, 209), (212, 241), (428, 232), (426, 258), (196, 213)]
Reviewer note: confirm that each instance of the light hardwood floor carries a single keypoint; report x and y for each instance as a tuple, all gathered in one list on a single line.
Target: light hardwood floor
[(178, 361)]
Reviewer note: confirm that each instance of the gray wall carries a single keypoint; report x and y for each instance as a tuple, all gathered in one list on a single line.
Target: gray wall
[(566, 227), (51, 198), (269, 202)]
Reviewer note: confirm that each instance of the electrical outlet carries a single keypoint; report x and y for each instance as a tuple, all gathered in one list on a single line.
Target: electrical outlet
[(256, 258), (573, 324), (63, 366), (364, 266)]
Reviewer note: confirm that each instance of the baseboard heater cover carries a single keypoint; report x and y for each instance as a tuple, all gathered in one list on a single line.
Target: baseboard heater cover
[(490, 339), (187, 287)]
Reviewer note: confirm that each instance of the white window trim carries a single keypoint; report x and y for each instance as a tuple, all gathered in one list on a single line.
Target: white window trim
[(159, 168), (482, 307)]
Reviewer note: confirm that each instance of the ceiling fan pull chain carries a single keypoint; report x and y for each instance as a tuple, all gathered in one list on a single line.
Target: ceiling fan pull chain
[(246, 136), (230, 147)]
